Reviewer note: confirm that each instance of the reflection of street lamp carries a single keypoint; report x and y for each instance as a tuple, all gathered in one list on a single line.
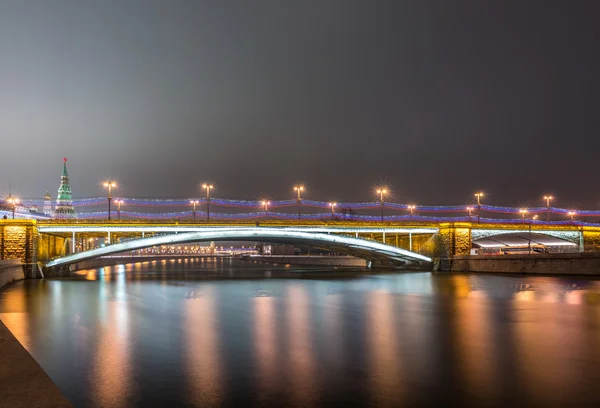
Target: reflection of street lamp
[(13, 201), (411, 208), (530, 224), (298, 188), (382, 193), (548, 198), (332, 205), (479, 195), (119, 202), (194, 202), (571, 214), (109, 185), (207, 187)]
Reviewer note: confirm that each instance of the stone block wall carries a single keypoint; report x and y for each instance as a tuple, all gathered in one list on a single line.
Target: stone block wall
[(455, 239), (50, 247), (18, 240)]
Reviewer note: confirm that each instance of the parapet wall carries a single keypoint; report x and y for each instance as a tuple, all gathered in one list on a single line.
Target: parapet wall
[(10, 271), (587, 263)]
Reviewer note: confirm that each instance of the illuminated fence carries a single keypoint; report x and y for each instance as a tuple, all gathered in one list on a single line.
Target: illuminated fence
[(254, 209)]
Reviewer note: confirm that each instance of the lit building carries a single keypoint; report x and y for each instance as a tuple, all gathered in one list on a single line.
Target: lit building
[(64, 202), (47, 204)]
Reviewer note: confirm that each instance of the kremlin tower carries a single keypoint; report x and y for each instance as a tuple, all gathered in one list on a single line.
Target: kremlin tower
[(64, 203)]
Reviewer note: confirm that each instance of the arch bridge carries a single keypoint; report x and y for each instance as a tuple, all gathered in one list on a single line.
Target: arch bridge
[(370, 250)]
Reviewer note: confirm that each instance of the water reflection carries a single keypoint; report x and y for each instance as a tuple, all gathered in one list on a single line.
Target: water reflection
[(202, 357), (177, 334)]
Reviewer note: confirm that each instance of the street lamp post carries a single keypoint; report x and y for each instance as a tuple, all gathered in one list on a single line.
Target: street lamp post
[(332, 205), (411, 208), (13, 201), (109, 185), (470, 211), (266, 205), (530, 224), (548, 199), (382, 193), (298, 188), (207, 187), (571, 214), (119, 202), (523, 213), (479, 195), (194, 202)]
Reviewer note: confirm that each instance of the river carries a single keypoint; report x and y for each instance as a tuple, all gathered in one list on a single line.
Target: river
[(221, 332)]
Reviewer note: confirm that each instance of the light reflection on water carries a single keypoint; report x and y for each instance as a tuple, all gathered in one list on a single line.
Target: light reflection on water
[(176, 334)]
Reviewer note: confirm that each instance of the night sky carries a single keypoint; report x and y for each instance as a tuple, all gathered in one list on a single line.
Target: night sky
[(437, 98)]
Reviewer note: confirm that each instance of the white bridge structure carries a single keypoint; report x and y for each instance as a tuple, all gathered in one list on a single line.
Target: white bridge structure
[(340, 239)]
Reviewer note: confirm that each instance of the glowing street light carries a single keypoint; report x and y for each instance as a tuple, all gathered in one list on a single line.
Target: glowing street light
[(109, 185), (13, 201), (119, 202), (479, 195), (299, 189), (411, 208), (332, 205), (470, 211), (194, 202), (382, 193), (207, 187), (571, 214), (266, 204), (548, 198), (523, 213)]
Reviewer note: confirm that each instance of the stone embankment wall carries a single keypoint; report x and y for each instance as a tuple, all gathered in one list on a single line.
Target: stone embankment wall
[(587, 263), (10, 271), (309, 260)]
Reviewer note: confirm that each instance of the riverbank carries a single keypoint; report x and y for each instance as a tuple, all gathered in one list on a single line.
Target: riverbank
[(23, 382), (585, 263), (308, 260), (11, 270)]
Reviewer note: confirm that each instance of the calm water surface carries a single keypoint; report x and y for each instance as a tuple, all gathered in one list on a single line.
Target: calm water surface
[(173, 334)]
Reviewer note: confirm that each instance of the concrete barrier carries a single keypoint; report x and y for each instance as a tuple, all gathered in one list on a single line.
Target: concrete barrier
[(11, 270), (586, 263)]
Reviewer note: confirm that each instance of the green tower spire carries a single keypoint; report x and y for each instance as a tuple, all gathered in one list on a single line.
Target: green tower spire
[(64, 202)]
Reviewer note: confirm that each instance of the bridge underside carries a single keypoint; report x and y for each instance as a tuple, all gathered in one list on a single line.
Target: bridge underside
[(360, 248)]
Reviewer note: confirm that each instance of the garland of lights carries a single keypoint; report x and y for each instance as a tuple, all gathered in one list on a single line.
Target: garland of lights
[(221, 202)]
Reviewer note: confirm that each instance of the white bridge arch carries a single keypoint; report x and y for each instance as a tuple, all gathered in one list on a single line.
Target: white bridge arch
[(360, 248)]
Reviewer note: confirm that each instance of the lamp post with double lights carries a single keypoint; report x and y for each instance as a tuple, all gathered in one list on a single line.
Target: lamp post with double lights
[(411, 208), (207, 187), (535, 217), (110, 184), (382, 193), (523, 213), (119, 202), (470, 211), (266, 204), (572, 215), (332, 205), (479, 195), (12, 201), (548, 198), (298, 189), (194, 203)]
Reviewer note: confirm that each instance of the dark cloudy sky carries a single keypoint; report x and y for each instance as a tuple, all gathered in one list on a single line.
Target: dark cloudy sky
[(437, 98)]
